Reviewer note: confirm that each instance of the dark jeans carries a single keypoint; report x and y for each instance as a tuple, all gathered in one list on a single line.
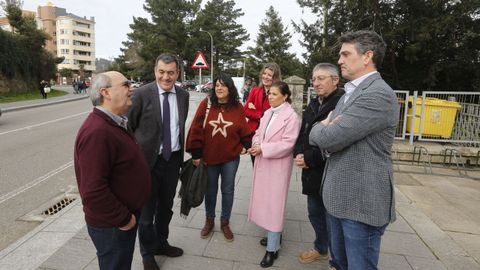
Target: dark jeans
[(156, 214), (227, 171), (114, 247), (316, 214), (355, 245)]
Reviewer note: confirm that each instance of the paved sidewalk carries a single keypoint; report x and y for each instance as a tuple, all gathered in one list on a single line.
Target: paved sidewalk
[(438, 227)]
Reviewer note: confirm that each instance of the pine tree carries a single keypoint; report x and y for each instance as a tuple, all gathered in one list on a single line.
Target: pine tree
[(168, 31), (218, 17), (272, 44)]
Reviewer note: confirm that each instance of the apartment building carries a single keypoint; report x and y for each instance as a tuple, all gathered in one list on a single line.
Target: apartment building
[(73, 37)]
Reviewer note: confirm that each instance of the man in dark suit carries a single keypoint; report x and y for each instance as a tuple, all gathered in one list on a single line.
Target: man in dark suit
[(357, 138), (325, 78), (157, 117)]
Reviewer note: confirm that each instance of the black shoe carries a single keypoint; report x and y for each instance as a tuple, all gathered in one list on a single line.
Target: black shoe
[(263, 241), (170, 251), (150, 265), (268, 259)]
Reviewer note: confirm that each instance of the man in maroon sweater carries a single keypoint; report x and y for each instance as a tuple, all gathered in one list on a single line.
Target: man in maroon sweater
[(113, 176)]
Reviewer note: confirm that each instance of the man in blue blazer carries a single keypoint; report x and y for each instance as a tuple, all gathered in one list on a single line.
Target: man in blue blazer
[(157, 117), (356, 138)]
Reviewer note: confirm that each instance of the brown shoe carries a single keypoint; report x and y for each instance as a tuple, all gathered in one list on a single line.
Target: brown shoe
[(311, 256), (150, 265), (207, 228), (227, 233)]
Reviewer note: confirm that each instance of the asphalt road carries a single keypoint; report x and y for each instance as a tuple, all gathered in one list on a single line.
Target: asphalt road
[(36, 150), (36, 162)]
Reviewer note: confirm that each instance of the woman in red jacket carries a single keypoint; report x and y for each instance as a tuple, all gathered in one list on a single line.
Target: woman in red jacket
[(218, 141), (257, 102)]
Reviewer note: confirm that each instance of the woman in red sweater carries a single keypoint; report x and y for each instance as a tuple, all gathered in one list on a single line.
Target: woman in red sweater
[(257, 102), (219, 134)]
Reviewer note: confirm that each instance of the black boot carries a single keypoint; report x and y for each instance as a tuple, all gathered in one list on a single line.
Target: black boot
[(268, 259)]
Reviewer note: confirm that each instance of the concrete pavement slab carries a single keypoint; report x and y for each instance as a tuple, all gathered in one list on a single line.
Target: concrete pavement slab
[(426, 264), (400, 225), (34, 252), (443, 247), (76, 255), (469, 242), (405, 244), (393, 262), (189, 262)]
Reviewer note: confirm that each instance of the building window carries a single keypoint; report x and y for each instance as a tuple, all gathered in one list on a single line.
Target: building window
[(64, 51), (83, 25), (64, 41), (82, 34), (83, 53), (81, 43)]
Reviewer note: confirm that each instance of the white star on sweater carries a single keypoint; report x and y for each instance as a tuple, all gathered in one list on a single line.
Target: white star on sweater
[(220, 125)]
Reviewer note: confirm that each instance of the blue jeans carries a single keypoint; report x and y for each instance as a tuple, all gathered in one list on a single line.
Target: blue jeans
[(354, 245), (114, 247), (273, 241), (227, 170), (316, 214)]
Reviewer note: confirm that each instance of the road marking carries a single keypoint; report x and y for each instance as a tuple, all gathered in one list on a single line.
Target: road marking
[(35, 182), (44, 123)]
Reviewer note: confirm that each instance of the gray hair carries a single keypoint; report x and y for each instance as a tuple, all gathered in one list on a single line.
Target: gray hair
[(167, 58), (331, 68), (366, 40), (99, 81)]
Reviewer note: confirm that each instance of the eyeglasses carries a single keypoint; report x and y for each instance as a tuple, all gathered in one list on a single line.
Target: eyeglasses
[(124, 84), (321, 78)]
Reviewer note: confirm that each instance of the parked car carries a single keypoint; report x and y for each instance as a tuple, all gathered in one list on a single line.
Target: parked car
[(207, 87), (189, 85)]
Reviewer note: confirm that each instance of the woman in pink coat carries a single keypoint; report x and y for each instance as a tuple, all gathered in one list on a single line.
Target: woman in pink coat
[(273, 150)]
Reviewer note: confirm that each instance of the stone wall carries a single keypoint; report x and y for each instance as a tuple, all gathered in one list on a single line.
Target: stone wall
[(296, 85)]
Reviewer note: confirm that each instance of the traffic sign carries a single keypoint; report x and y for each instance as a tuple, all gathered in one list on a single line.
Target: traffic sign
[(200, 61)]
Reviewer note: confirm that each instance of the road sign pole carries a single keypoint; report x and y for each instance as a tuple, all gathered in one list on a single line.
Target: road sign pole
[(200, 76)]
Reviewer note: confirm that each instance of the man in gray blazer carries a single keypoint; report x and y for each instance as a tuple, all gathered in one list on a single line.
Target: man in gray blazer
[(157, 117), (356, 138)]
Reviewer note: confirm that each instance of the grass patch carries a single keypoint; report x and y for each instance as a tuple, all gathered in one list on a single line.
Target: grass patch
[(30, 96)]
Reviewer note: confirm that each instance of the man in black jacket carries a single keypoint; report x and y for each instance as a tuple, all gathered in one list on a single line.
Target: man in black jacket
[(325, 79)]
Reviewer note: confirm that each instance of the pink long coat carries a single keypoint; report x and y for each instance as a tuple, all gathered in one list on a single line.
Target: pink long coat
[(273, 168)]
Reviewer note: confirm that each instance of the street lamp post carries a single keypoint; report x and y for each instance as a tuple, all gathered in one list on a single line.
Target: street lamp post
[(211, 54)]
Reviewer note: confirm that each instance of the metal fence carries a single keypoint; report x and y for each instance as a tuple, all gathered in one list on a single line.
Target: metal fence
[(403, 97), (452, 117)]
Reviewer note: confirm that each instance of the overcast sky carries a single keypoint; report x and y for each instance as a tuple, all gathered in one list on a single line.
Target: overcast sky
[(113, 17)]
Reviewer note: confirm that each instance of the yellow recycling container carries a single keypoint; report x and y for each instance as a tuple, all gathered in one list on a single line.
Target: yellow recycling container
[(439, 117)]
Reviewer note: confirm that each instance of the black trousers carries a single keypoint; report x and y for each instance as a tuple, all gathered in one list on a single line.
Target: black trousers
[(157, 213)]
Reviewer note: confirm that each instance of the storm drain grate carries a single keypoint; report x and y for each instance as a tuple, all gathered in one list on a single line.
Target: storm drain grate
[(52, 210)]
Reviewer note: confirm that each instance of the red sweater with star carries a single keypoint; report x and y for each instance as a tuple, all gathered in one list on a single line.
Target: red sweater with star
[(225, 134)]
